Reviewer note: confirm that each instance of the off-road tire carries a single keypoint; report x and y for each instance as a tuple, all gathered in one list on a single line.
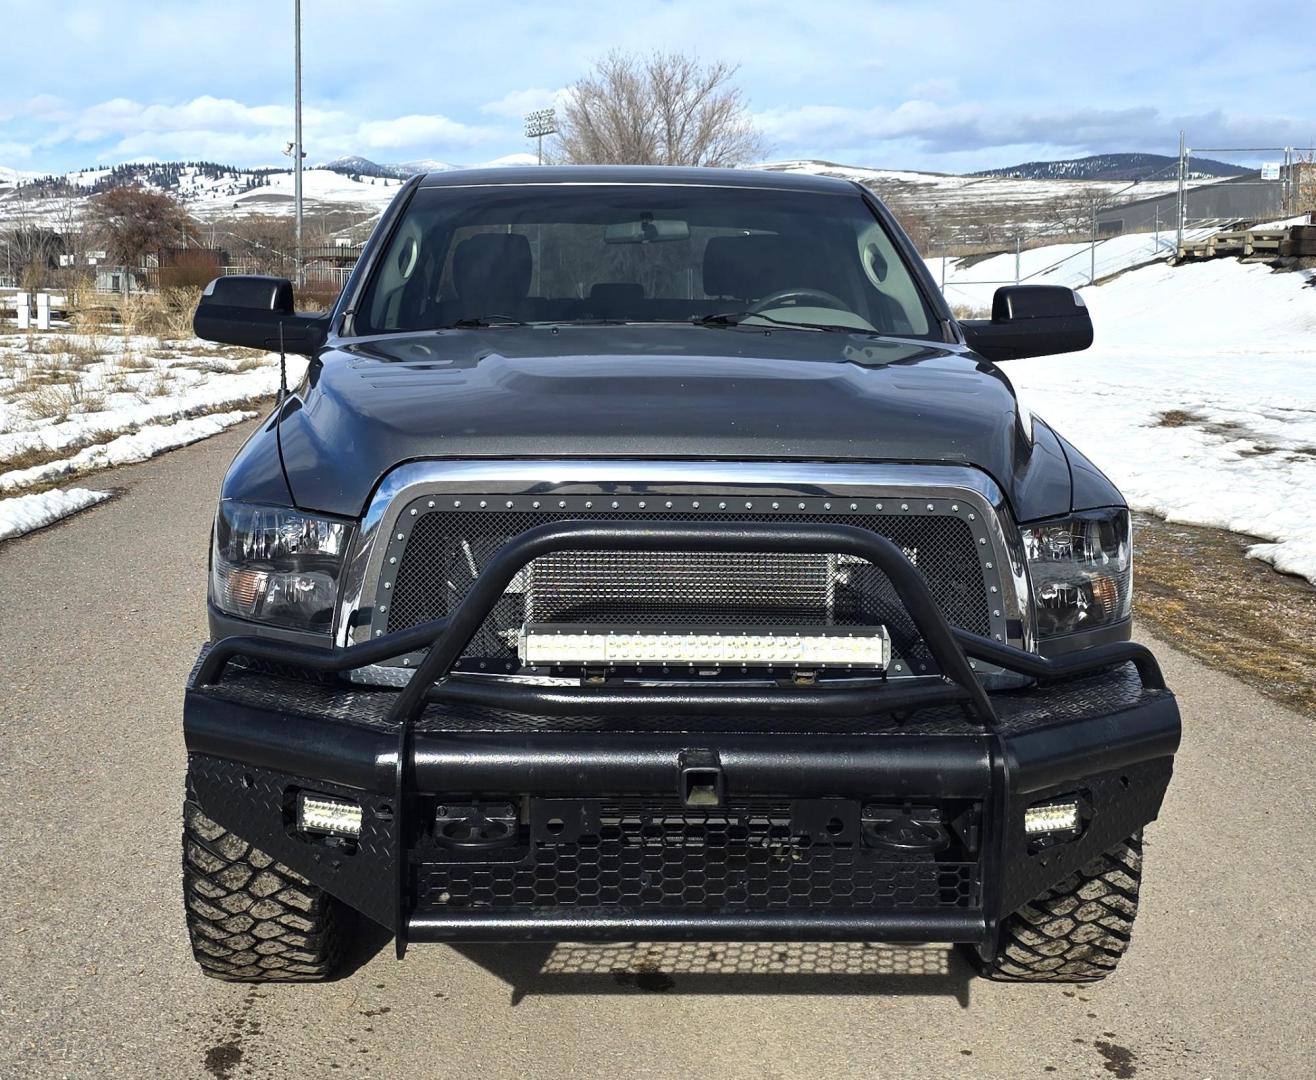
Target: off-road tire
[(1078, 930), (252, 919)]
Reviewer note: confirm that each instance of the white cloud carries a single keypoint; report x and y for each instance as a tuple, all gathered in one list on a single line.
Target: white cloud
[(418, 131), (225, 129), (951, 128), (934, 90), (516, 103)]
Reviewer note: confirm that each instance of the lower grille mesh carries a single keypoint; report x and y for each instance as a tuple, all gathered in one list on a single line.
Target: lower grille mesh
[(736, 859), (446, 550)]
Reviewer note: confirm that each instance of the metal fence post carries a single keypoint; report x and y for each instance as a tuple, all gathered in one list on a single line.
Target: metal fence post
[(1017, 246), (1092, 247), (1183, 204)]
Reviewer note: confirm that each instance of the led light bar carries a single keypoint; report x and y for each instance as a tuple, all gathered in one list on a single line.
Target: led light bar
[(321, 814), (1050, 818), (546, 644)]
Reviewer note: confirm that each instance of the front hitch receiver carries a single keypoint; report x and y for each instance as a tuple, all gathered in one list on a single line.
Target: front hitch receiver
[(481, 827), (701, 781)]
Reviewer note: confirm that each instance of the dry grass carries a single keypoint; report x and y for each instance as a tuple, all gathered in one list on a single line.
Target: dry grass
[(55, 400), (83, 350), (1196, 588), (167, 315), (968, 311)]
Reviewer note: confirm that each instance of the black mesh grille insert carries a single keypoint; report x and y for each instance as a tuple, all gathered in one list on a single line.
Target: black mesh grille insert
[(446, 550), (742, 858)]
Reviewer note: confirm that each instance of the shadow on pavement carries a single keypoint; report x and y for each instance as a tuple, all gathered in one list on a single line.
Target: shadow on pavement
[(821, 968), (369, 939)]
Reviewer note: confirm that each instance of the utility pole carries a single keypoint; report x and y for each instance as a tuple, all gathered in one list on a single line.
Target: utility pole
[(297, 139)]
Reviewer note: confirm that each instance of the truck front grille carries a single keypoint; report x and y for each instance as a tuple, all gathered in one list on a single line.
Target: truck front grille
[(445, 549)]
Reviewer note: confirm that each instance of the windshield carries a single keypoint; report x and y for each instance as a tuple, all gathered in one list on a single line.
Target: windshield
[(633, 253)]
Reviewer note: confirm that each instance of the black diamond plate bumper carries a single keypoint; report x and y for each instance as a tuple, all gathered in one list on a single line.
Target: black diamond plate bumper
[(785, 856)]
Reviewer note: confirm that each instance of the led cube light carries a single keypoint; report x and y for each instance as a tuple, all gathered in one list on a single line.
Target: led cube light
[(1051, 818), (811, 647), (321, 814)]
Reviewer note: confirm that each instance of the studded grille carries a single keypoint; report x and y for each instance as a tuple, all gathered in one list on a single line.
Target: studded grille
[(746, 858), (446, 550)]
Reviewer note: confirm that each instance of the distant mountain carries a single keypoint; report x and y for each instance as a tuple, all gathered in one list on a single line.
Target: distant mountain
[(1126, 167), (355, 165)]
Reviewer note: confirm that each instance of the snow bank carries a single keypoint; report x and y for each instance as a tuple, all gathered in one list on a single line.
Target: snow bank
[(1228, 351), (126, 449), (28, 512)]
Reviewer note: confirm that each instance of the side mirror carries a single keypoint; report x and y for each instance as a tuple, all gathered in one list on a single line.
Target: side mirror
[(256, 313), (1030, 320)]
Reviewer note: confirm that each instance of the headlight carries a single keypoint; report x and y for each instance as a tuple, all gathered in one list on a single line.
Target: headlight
[(1082, 571), (276, 565)]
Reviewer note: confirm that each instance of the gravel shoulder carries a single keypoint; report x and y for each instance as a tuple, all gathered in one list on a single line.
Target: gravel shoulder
[(95, 979)]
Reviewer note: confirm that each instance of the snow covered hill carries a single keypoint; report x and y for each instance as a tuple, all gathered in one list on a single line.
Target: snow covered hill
[(212, 190), (979, 209)]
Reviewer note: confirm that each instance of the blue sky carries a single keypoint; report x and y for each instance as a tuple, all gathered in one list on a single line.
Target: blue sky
[(938, 85)]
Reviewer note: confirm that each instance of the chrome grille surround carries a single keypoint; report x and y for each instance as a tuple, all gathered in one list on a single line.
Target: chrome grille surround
[(687, 490)]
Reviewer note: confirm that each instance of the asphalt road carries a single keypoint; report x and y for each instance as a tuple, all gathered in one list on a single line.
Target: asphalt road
[(99, 622)]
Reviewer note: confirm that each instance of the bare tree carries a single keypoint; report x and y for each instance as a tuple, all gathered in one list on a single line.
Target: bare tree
[(263, 243), (132, 222), (1073, 212), (660, 109)]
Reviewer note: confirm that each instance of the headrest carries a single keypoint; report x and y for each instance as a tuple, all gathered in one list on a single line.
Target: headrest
[(496, 266), (749, 267)]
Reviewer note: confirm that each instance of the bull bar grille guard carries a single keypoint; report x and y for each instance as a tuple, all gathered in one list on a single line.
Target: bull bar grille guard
[(446, 639)]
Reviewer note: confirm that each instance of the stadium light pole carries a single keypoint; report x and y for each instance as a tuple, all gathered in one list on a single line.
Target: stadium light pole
[(539, 123)]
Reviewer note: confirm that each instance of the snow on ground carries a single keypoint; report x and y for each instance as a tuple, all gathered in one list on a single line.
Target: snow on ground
[(28, 512), (132, 382), (142, 444), (1198, 399)]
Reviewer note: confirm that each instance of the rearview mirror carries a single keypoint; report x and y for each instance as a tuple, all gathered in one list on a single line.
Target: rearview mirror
[(646, 231), (1030, 320), (257, 313)]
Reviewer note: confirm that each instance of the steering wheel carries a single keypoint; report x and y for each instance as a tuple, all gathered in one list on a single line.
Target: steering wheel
[(778, 298)]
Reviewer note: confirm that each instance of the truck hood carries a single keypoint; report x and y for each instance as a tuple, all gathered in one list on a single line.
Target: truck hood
[(669, 392)]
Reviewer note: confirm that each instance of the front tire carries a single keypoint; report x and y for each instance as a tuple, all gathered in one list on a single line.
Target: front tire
[(1076, 931), (252, 919)]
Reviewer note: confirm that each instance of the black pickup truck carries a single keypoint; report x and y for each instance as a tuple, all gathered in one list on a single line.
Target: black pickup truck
[(650, 554)]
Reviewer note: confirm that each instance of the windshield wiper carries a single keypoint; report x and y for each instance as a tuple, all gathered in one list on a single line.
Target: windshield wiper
[(475, 321), (737, 318)]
